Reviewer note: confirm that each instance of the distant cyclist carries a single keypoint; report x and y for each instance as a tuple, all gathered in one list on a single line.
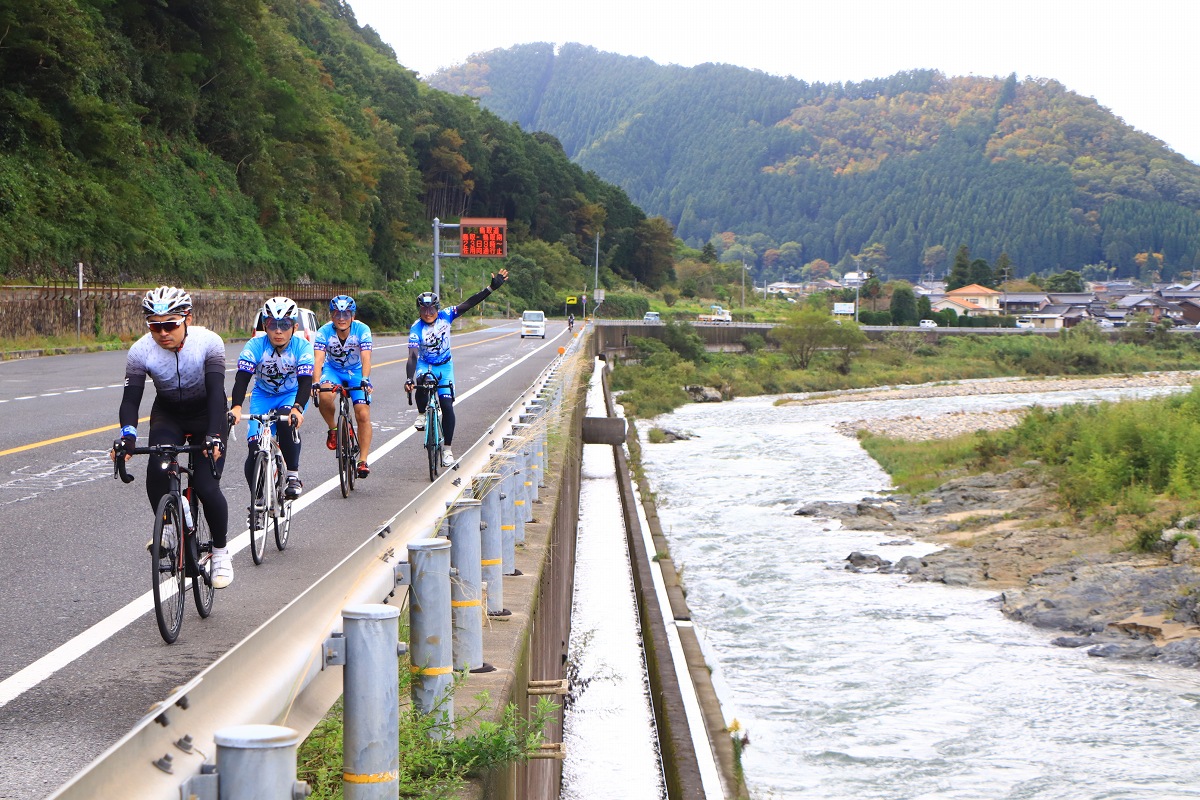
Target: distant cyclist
[(281, 364), (343, 356), (429, 354), (187, 365), (570, 322)]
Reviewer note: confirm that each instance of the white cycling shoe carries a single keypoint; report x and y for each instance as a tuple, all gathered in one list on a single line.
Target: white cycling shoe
[(448, 458)]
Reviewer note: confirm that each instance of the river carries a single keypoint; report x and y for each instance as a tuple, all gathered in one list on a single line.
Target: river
[(864, 685)]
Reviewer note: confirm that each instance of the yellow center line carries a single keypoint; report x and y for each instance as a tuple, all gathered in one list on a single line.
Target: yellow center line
[(81, 434), (68, 437)]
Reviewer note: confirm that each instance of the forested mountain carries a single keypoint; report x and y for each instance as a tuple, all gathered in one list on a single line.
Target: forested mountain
[(242, 142), (918, 163)]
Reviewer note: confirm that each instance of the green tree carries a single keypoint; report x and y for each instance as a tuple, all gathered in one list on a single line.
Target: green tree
[(1064, 282), (924, 307), (904, 305), (933, 259), (872, 288), (804, 333), (981, 273), (846, 341), (1004, 269), (708, 253), (960, 273)]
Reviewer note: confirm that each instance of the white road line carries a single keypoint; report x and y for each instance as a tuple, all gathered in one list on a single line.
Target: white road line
[(30, 676)]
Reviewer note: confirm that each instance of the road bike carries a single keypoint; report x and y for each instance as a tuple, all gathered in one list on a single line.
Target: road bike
[(181, 544), (268, 504), (434, 441), (347, 440)]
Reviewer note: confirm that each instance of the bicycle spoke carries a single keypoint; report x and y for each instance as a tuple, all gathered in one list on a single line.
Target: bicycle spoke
[(168, 578)]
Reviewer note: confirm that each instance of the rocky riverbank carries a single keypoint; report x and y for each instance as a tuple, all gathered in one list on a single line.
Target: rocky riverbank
[(1004, 532)]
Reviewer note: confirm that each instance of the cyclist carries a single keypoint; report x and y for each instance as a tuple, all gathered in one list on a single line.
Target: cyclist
[(187, 365), (429, 353), (570, 323), (282, 366), (343, 355)]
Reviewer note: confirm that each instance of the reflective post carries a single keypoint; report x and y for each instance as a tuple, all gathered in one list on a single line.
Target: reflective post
[(535, 453), (515, 447), (431, 634), (371, 699), (257, 762), (508, 513), (486, 488), (466, 593)]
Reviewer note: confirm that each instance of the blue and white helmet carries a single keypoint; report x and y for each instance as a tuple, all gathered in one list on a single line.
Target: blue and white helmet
[(279, 308), (166, 300), (343, 302)]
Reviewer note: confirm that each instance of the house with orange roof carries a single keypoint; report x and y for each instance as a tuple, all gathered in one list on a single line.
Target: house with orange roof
[(985, 299), (961, 307)]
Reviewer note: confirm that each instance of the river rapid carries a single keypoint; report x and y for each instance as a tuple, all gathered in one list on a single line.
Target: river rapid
[(866, 686)]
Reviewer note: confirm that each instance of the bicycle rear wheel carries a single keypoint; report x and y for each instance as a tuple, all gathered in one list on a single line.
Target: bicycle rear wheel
[(351, 452), (167, 575), (283, 525), (200, 548), (259, 507), (345, 465)]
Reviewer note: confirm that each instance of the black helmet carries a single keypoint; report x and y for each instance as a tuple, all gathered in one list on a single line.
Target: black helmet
[(426, 299)]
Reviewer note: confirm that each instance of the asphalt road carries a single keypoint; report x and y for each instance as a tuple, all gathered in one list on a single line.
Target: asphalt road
[(82, 658)]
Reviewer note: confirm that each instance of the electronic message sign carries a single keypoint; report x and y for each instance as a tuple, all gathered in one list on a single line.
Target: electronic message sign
[(483, 237)]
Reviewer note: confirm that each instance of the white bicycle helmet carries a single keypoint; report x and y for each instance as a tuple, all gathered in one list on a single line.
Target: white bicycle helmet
[(279, 307), (166, 300)]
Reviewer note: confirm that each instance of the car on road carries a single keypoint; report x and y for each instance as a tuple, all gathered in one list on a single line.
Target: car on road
[(651, 318), (927, 323), (306, 324), (533, 323)]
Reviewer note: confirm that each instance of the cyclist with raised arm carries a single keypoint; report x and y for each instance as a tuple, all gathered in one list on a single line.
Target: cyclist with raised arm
[(281, 364), (343, 356), (429, 354), (187, 365)]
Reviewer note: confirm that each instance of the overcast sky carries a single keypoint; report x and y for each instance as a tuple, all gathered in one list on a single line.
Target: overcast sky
[(1138, 58)]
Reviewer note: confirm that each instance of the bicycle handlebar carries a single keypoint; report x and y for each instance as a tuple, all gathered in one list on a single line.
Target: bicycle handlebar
[(170, 450), (271, 417)]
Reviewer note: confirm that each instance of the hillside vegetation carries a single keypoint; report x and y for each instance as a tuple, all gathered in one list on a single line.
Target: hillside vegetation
[(245, 142), (915, 163)]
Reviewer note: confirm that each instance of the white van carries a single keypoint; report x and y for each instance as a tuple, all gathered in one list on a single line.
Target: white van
[(927, 323), (533, 323), (651, 318)]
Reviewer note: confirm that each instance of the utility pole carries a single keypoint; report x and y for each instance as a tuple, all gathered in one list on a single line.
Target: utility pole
[(743, 283)]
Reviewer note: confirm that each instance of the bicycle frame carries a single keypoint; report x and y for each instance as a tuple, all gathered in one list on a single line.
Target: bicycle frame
[(434, 441), (191, 558), (268, 473), (347, 450)]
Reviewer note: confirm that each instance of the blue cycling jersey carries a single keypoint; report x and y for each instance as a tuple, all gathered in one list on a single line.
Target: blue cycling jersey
[(432, 342), (345, 355), (276, 372)]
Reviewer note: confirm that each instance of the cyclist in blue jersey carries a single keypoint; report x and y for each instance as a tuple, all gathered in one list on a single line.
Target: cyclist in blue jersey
[(429, 353), (343, 356), (281, 364), (187, 365)]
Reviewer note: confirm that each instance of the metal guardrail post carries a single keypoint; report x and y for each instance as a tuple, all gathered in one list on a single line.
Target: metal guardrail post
[(537, 411), (371, 698), (486, 488), (258, 762), (508, 513), (530, 421), (515, 446), (431, 633), (466, 593)]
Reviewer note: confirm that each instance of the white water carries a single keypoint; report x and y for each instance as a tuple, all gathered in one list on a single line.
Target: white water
[(866, 686)]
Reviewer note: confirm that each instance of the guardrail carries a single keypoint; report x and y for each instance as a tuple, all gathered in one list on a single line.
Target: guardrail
[(282, 674)]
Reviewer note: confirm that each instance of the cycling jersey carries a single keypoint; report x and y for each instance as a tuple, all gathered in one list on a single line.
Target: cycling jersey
[(432, 342), (178, 376), (276, 372), (345, 355)]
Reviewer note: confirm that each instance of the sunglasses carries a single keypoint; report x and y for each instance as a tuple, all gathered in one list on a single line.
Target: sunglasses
[(343, 314), (284, 324), (164, 327)]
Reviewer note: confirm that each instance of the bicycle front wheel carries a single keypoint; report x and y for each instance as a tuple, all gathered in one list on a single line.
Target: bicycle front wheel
[(433, 442), (345, 464), (260, 506), (167, 574), (200, 547)]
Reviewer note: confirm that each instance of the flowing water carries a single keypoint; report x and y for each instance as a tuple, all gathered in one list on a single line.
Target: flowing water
[(867, 686)]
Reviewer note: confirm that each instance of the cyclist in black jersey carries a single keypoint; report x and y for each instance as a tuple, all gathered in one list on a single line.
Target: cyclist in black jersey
[(187, 364)]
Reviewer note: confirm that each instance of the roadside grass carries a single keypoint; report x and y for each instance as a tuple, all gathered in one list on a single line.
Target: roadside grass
[(62, 343), (921, 466)]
